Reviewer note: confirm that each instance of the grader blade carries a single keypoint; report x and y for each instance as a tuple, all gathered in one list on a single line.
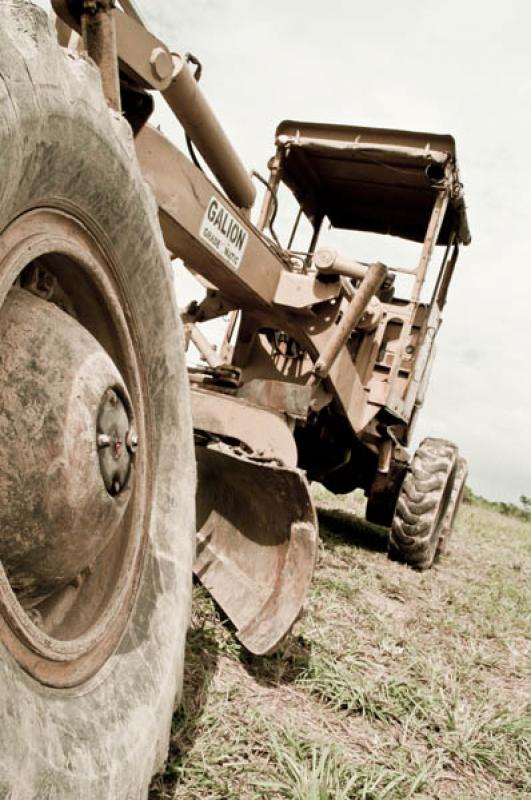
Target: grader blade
[(257, 541)]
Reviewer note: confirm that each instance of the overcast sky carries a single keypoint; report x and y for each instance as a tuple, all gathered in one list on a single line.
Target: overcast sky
[(455, 67)]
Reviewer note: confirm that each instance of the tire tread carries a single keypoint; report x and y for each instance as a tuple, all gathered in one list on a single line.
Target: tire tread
[(414, 533)]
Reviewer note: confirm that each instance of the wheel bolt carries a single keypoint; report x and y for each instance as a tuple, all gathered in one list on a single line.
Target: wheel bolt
[(103, 440), (131, 441)]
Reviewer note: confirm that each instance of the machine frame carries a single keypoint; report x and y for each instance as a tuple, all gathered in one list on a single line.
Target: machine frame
[(322, 370)]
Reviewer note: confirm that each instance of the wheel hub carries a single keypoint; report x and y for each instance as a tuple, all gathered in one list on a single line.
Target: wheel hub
[(117, 442), (66, 462)]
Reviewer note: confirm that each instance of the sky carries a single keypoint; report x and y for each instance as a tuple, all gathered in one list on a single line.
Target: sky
[(456, 67)]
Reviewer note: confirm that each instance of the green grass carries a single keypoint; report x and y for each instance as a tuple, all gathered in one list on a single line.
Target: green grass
[(394, 684)]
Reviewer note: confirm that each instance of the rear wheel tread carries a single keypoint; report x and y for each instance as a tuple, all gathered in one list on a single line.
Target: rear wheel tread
[(448, 523), (422, 503)]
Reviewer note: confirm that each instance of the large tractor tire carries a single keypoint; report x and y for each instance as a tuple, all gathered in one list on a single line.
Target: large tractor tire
[(423, 502), (97, 471)]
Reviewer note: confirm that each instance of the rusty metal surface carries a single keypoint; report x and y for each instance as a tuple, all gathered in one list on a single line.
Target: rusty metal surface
[(53, 524), (257, 290), (277, 297), (284, 397), (146, 59), (143, 57), (99, 40), (261, 432), (347, 164), (190, 106), (297, 291), (137, 49), (355, 181), (323, 350), (183, 194), (368, 287), (65, 599), (257, 542)]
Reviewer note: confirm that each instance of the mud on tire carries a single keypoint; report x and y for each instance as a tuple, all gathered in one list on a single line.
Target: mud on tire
[(422, 504), (68, 163)]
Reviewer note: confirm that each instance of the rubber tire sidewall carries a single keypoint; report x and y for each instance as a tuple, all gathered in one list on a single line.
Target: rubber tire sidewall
[(60, 145)]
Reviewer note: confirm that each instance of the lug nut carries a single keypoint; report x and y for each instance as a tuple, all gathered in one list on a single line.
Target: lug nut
[(103, 440), (131, 441)]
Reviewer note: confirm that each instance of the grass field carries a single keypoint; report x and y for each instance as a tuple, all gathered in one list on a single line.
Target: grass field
[(394, 684)]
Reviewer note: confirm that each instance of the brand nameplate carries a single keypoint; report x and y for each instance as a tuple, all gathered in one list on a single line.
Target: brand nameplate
[(224, 233)]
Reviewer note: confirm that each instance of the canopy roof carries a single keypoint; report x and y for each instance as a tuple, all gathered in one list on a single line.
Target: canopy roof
[(372, 179)]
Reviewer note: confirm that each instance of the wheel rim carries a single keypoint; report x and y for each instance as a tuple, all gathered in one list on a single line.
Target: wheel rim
[(70, 633)]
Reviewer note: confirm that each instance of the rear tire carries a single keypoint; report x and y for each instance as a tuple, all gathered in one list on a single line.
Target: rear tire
[(67, 163), (422, 504), (456, 497)]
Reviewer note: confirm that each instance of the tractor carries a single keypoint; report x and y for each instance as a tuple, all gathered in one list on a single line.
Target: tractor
[(123, 469)]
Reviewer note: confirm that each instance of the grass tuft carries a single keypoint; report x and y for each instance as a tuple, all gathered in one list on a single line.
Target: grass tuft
[(394, 684)]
